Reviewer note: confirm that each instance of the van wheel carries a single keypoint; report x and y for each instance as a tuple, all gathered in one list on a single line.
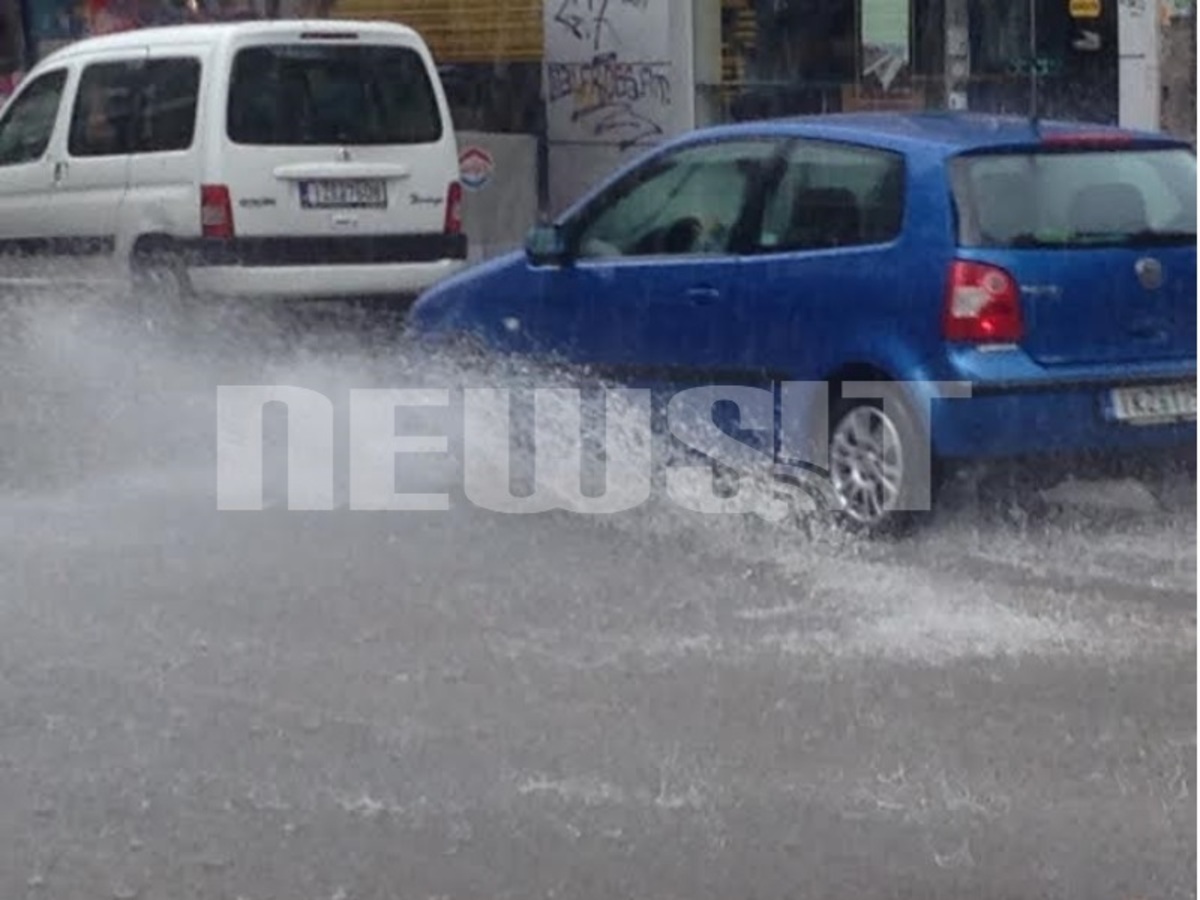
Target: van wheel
[(883, 477), (160, 286)]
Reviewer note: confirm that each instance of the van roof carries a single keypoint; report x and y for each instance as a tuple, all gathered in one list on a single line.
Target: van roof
[(221, 32)]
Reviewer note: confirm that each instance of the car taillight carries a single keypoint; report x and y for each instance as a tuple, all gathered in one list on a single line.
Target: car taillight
[(454, 208), (983, 304), (216, 211)]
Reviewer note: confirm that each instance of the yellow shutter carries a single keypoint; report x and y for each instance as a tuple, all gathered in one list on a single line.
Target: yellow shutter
[(738, 38), (461, 31)]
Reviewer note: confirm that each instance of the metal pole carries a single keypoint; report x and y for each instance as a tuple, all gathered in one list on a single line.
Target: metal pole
[(1033, 61), (28, 41)]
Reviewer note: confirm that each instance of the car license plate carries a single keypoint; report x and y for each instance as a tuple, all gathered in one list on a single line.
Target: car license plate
[(343, 194), (1154, 403)]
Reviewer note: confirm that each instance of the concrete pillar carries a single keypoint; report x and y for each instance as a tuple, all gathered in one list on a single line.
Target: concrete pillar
[(619, 79), (1138, 62), (1177, 68), (682, 49)]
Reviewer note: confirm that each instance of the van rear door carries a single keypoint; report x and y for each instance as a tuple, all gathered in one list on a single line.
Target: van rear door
[(342, 132), (1101, 240)]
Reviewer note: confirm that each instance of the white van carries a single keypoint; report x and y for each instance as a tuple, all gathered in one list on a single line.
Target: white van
[(266, 158)]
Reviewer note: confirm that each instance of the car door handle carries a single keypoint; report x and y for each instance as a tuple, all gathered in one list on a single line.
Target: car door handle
[(60, 172), (702, 296)]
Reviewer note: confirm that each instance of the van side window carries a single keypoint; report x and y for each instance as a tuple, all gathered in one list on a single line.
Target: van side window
[(103, 114), (170, 88), (28, 123), (835, 195)]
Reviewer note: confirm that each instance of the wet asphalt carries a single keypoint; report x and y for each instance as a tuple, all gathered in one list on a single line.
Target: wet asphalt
[(457, 705)]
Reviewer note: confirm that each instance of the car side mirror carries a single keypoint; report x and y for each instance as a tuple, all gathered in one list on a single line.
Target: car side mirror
[(546, 245)]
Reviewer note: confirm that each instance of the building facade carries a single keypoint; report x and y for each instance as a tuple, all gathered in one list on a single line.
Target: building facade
[(1082, 59), (630, 65), (594, 82)]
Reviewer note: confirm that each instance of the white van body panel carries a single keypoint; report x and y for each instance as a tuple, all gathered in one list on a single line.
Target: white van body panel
[(90, 191), (163, 193), (151, 199), (26, 186), (262, 173)]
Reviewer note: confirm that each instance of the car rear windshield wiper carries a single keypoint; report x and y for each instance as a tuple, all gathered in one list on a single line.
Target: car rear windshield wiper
[(1150, 237), (1028, 239), (1147, 237)]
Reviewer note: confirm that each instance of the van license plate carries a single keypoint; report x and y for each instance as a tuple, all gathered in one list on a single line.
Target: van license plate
[(343, 194), (1154, 403)]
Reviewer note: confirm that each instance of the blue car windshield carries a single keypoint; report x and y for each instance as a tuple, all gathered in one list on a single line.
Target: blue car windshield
[(1087, 198)]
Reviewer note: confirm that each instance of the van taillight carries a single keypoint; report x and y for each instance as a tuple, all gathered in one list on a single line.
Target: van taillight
[(216, 211), (454, 208), (983, 305)]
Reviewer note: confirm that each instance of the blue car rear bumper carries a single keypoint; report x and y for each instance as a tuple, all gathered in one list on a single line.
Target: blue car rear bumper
[(1047, 418), (1018, 408)]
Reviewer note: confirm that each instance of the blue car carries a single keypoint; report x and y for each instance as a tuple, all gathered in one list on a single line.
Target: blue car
[(968, 287)]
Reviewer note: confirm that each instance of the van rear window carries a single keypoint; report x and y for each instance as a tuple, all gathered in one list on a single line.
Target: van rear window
[(1109, 197), (305, 94)]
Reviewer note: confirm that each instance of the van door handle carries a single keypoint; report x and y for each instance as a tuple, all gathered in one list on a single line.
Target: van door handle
[(703, 296), (60, 172)]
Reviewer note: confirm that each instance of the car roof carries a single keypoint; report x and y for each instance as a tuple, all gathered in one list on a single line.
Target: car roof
[(941, 132), (203, 33)]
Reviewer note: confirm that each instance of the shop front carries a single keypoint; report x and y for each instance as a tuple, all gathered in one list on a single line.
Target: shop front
[(33, 28), (12, 45), (1075, 58), (792, 57)]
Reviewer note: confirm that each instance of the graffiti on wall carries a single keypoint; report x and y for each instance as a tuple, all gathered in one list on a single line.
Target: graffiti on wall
[(606, 96), (608, 71), (589, 20)]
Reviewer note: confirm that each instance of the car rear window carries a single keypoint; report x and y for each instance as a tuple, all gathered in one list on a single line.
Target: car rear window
[(304, 94), (1077, 198)]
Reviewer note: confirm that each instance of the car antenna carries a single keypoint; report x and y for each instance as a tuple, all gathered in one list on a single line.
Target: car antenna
[(1033, 67)]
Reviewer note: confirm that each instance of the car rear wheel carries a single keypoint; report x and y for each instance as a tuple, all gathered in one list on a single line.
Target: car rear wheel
[(882, 475)]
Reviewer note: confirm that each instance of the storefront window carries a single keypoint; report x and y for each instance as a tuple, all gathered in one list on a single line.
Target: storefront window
[(1075, 60), (11, 45), (787, 57)]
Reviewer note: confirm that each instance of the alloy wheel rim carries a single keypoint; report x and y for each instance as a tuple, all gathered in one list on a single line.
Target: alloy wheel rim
[(866, 464)]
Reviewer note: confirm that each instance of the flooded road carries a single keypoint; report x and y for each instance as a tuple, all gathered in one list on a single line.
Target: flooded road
[(464, 705)]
